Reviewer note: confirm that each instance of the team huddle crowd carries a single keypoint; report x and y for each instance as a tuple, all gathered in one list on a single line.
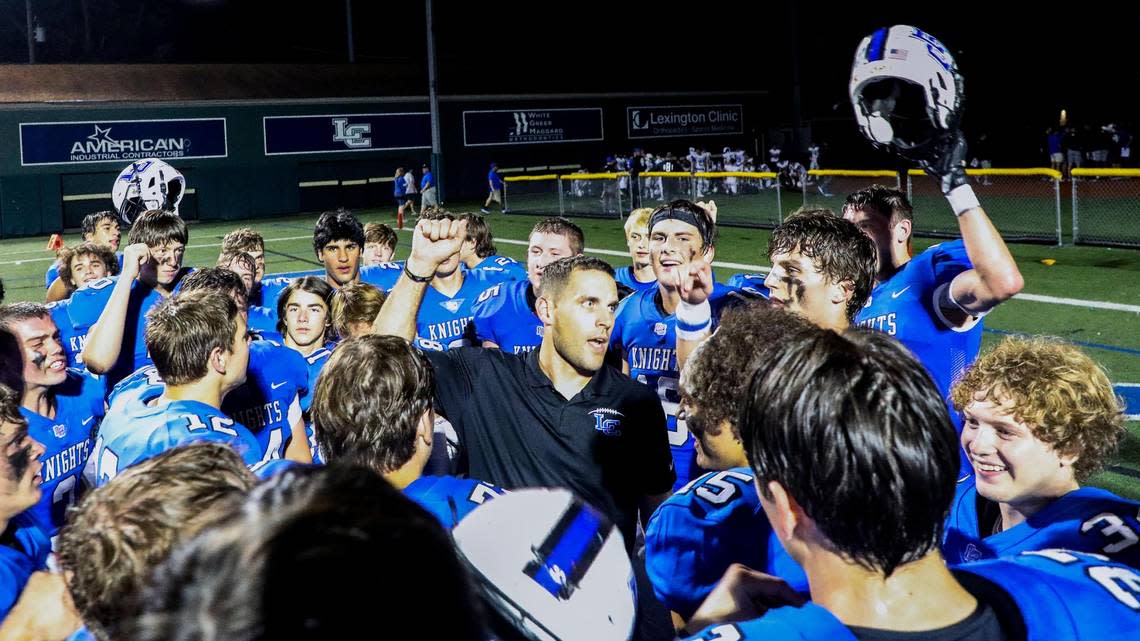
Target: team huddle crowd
[(456, 445)]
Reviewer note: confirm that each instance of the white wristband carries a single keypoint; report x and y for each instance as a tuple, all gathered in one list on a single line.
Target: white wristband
[(693, 320), (962, 199)]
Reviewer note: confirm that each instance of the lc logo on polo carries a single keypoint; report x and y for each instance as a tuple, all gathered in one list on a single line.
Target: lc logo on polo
[(607, 421)]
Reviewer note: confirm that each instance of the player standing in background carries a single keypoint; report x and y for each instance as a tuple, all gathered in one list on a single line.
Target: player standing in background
[(83, 264), (647, 321), (113, 310), (716, 520), (410, 191), (245, 240), (504, 315), (872, 576), (25, 547), (1040, 417), (479, 251), (373, 408), (306, 323), (200, 347), (62, 408), (639, 275), (379, 244), (400, 192), (101, 228), (495, 195)]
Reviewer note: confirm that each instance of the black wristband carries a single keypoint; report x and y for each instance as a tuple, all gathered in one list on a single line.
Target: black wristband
[(417, 279)]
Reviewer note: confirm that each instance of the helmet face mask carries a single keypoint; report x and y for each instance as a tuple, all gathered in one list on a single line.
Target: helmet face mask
[(906, 90), (147, 184)]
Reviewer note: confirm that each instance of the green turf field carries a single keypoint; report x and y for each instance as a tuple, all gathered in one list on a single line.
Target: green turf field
[(1085, 273)]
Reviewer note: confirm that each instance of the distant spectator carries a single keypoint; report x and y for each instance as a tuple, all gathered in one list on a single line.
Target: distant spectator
[(410, 192), (495, 183), (400, 191), (427, 189), (635, 167), (1053, 145), (1100, 142), (1073, 144)]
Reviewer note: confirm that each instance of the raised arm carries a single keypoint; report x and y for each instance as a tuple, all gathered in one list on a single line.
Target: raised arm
[(105, 338), (433, 242)]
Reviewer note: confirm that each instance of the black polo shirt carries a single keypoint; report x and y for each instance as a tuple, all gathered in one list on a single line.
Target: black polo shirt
[(608, 444)]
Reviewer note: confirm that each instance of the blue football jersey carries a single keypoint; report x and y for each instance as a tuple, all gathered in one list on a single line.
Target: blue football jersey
[(382, 276), (442, 320), (624, 276), (314, 362), (263, 322), (269, 402), (87, 304), (136, 432), (904, 307), (502, 268), (504, 314), (1059, 595), (72, 338), (67, 443), (696, 534), (450, 498), (28, 553), (273, 284), (1088, 519), (648, 339), (752, 283)]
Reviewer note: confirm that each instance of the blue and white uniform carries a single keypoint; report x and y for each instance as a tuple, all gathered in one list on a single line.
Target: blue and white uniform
[(504, 314)]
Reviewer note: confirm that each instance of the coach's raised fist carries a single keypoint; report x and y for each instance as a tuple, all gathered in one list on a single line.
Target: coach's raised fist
[(433, 242)]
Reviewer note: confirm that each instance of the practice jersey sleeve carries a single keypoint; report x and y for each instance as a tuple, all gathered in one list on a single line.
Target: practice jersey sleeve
[(450, 499)]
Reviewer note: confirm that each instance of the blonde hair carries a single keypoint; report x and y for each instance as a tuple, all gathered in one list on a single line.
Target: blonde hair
[(1061, 394), (638, 219), (355, 303)]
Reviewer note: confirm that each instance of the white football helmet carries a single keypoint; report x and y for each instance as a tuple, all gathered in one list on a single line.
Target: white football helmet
[(553, 567), (905, 88), (147, 184)]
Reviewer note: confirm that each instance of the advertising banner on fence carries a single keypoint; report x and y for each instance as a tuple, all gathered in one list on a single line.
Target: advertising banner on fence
[(690, 120), (346, 132), (67, 143), (531, 126)]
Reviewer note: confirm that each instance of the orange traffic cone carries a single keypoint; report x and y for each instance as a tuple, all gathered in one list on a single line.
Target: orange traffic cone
[(55, 243)]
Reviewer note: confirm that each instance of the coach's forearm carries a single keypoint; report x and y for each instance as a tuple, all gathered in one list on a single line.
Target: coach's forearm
[(105, 339)]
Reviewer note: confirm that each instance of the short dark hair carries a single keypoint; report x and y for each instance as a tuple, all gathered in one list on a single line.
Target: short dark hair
[(369, 400), (181, 331), (215, 279), (882, 200), (253, 576), (242, 239), (720, 366), (120, 532), (313, 285), (13, 313), (380, 233), (706, 226), (479, 232), (556, 275), (337, 225), (563, 227), (158, 227), (837, 248), (853, 427), (85, 249), (92, 220)]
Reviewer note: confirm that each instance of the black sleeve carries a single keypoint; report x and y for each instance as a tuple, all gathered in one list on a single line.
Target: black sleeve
[(653, 459), (453, 382)]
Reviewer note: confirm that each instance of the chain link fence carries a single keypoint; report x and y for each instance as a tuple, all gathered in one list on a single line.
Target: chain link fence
[(1024, 204), (1106, 207)]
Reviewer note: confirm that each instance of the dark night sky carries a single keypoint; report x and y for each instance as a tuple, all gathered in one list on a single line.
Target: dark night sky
[(1021, 66)]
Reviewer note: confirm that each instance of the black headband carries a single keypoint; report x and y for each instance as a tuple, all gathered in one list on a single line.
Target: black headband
[(684, 215)]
